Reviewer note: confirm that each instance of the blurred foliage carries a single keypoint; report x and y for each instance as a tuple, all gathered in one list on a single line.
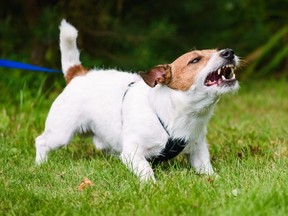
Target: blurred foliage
[(261, 61), (135, 35)]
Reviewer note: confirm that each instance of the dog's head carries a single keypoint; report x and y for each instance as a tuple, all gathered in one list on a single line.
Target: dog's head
[(209, 70)]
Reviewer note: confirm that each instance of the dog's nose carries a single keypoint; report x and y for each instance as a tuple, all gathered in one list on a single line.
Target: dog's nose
[(227, 54)]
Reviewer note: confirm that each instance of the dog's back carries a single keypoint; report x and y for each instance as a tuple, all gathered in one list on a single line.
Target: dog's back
[(91, 101)]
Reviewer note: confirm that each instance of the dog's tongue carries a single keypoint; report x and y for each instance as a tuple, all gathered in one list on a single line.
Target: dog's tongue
[(212, 79)]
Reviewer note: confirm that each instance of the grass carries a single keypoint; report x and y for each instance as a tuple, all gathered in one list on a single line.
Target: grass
[(248, 143)]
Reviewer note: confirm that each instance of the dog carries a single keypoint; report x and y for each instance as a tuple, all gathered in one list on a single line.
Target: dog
[(145, 117)]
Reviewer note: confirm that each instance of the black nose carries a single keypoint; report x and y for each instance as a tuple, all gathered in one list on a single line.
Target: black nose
[(227, 54)]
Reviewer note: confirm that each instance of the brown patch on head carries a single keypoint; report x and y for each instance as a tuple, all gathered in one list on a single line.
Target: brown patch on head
[(186, 68), (180, 74), (76, 70)]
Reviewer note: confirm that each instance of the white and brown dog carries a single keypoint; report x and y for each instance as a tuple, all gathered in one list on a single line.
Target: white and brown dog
[(147, 117)]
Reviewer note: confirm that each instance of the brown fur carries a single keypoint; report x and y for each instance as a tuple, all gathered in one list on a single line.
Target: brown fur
[(76, 70), (183, 73), (180, 74)]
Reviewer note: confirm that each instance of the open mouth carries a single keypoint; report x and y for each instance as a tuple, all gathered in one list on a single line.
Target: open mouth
[(223, 76)]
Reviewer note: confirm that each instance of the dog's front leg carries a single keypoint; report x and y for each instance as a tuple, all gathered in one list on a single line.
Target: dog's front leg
[(199, 157), (139, 165)]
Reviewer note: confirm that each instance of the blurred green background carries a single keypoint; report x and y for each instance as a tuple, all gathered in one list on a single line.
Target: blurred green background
[(136, 35)]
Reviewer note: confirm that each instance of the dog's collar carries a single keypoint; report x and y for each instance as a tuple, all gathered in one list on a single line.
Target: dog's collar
[(173, 147)]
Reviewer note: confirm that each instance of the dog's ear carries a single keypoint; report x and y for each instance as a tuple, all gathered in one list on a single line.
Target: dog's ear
[(159, 74)]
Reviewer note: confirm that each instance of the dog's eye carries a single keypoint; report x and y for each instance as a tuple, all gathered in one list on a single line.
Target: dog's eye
[(195, 60)]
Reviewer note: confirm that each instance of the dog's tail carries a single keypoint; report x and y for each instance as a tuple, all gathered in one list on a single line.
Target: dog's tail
[(70, 56)]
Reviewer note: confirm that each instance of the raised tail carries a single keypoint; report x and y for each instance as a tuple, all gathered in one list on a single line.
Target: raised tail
[(70, 56)]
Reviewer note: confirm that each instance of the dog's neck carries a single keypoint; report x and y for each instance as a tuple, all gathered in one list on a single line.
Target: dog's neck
[(182, 112)]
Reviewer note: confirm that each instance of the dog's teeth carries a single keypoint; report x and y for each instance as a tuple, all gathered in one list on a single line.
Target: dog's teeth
[(233, 77), (219, 71), (223, 77)]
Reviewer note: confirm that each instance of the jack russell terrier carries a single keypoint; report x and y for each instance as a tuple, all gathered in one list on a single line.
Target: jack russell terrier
[(146, 118)]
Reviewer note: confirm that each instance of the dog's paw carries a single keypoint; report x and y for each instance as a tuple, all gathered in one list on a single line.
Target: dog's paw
[(41, 151), (205, 170), (147, 179), (40, 160)]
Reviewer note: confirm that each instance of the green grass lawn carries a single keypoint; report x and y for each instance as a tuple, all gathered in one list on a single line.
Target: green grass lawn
[(248, 142)]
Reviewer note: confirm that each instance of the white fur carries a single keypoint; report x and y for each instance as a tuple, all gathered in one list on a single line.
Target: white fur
[(130, 127), (68, 35)]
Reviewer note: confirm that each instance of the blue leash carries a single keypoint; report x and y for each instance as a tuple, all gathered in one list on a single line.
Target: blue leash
[(23, 66)]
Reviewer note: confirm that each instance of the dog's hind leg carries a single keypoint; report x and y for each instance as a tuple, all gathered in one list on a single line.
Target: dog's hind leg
[(48, 141), (41, 149), (59, 129)]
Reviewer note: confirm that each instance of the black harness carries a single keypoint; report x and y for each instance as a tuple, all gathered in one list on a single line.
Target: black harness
[(173, 147)]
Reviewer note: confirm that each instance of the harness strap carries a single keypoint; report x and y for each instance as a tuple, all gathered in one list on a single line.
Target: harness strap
[(163, 125), (129, 85)]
